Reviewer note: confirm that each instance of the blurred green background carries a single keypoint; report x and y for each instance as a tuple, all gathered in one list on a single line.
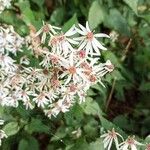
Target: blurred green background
[(124, 103)]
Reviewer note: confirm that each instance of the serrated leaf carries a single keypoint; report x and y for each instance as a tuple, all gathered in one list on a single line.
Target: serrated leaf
[(133, 4), (96, 14), (11, 128)]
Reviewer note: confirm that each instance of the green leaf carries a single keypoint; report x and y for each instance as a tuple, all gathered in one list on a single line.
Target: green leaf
[(39, 3), (97, 145), (133, 4), (91, 128), (11, 128), (116, 21), (109, 126), (74, 116), (36, 125), (29, 143), (57, 16), (80, 144), (96, 14), (144, 86), (23, 145), (61, 133), (27, 13), (91, 107), (70, 23)]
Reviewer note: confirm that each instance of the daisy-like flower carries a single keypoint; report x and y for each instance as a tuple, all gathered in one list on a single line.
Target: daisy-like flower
[(130, 144), (73, 70), (7, 63), (12, 99), (25, 94), (52, 95), (3, 97), (66, 69), (41, 99), (4, 4), (46, 29), (89, 40), (110, 137), (60, 106), (10, 41), (28, 104), (63, 43)]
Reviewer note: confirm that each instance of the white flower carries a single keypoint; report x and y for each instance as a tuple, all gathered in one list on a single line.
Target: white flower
[(52, 95), (7, 3), (89, 41), (3, 96), (130, 144), (12, 99), (109, 138), (10, 41), (46, 29), (114, 36), (24, 95), (73, 70), (48, 112), (7, 63), (28, 104), (4, 4), (41, 99), (63, 43), (60, 106)]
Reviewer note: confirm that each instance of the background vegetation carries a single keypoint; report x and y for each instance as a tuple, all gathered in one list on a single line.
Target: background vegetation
[(125, 102)]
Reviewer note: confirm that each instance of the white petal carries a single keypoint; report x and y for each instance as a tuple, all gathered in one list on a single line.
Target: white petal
[(133, 147), (98, 44), (102, 35), (82, 45), (83, 28), (95, 48), (68, 79), (80, 31), (71, 31), (110, 144), (72, 41), (87, 27)]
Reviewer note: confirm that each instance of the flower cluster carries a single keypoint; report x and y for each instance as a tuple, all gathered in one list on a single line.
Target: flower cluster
[(10, 44), (2, 133), (68, 65), (4, 4), (112, 136)]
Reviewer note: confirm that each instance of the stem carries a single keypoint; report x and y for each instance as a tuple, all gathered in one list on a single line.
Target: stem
[(126, 50), (110, 95)]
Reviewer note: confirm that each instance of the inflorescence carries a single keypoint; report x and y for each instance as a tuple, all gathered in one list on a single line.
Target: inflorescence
[(69, 64)]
